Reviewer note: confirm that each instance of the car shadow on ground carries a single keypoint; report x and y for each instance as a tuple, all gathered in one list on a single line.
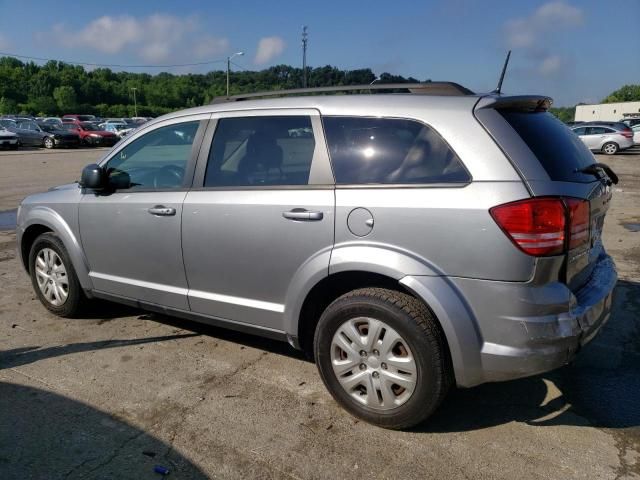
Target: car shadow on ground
[(46, 435), (600, 388)]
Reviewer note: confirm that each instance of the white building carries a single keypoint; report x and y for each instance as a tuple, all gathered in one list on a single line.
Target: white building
[(610, 112)]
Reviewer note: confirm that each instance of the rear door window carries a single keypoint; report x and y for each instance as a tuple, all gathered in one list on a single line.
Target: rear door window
[(367, 150), (261, 151), (559, 152)]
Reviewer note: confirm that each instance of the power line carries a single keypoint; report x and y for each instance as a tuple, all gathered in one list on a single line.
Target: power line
[(111, 65), (239, 66)]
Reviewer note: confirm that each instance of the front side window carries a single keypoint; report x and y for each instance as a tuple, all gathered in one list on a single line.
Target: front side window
[(156, 160), (390, 151), (261, 151)]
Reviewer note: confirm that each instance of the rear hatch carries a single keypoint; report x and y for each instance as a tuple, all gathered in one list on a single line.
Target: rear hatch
[(551, 159)]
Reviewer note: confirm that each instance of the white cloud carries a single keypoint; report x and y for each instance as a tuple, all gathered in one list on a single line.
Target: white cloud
[(155, 38), (533, 35), (268, 49), (5, 44), (550, 65), (525, 32), (209, 46)]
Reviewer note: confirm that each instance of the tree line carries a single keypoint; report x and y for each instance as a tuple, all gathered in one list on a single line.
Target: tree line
[(56, 88)]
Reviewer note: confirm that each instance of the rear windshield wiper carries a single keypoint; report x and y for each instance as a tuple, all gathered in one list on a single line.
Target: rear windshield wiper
[(594, 169)]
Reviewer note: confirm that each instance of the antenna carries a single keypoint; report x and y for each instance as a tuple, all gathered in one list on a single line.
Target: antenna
[(498, 89), (305, 36)]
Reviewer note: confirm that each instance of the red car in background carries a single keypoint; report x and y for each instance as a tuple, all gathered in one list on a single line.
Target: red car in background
[(91, 135)]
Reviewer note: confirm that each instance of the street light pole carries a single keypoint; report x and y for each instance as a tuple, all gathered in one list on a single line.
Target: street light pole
[(237, 54), (135, 103), (305, 37)]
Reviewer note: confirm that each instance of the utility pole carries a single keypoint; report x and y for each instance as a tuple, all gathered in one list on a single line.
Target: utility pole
[(135, 103), (237, 54), (305, 36)]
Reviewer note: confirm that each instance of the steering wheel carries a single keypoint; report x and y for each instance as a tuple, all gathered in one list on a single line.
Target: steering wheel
[(168, 176)]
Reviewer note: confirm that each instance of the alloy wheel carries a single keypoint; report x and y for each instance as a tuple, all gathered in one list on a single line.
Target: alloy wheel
[(51, 275)]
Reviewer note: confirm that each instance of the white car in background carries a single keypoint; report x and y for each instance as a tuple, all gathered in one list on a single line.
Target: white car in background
[(8, 139), (606, 137), (636, 134), (121, 129)]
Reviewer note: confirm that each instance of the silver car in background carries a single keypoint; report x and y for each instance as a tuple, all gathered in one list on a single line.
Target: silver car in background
[(608, 138), (408, 242)]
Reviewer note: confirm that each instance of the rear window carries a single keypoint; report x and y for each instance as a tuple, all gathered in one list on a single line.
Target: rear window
[(389, 151), (560, 152)]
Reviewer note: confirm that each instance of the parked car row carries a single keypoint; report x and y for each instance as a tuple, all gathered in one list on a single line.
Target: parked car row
[(71, 130)]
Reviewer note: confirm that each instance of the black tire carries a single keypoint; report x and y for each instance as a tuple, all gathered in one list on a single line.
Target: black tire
[(15, 146), (76, 301), (417, 327), (610, 148), (48, 143)]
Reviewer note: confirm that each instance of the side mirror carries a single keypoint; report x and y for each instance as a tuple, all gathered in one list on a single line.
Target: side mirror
[(93, 177)]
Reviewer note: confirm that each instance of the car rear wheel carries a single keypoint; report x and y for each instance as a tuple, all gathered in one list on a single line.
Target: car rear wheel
[(382, 357), (53, 278), (48, 142), (610, 148)]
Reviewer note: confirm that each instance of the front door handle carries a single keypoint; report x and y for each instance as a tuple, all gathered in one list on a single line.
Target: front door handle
[(302, 214), (162, 211)]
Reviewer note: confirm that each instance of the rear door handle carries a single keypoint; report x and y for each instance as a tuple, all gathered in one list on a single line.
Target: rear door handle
[(162, 211), (301, 214)]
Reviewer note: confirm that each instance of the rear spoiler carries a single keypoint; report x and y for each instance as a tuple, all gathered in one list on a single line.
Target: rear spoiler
[(523, 103)]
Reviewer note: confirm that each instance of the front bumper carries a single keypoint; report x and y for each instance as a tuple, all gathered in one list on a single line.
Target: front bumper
[(67, 142), (532, 344)]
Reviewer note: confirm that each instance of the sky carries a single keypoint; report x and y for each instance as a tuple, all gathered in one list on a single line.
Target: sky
[(572, 50)]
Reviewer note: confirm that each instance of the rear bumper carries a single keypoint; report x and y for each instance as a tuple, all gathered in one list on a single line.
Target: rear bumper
[(532, 344), (5, 142)]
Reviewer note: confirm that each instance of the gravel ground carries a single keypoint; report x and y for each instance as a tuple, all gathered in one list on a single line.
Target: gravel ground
[(113, 395)]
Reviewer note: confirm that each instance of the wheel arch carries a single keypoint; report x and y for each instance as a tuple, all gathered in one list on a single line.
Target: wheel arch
[(40, 220)]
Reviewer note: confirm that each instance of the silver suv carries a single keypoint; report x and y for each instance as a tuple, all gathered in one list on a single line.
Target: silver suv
[(408, 242)]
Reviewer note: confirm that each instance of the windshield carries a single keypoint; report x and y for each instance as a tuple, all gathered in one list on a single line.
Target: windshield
[(85, 118), (559, 150), (90, 127)]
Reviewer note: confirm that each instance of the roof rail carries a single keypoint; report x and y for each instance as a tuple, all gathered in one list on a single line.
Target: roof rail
[(425, 88)]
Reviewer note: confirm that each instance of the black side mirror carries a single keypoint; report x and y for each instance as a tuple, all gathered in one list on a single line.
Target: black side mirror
[(93, 177)]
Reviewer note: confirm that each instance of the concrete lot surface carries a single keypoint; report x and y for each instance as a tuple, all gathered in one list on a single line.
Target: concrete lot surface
[(112, 395)]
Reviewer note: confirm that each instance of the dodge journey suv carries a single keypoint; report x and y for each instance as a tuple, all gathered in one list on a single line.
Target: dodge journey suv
[(408, 239)]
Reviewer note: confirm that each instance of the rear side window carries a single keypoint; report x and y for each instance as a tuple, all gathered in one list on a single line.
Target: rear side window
[(560, 152), (261, 151), (390, 151)]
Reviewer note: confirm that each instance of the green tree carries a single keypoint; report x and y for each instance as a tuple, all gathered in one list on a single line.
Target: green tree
[(65, 97), (627, 93), (7, 105)]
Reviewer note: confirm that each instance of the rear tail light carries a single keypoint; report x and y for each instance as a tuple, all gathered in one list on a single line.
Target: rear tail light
[(627, 133), (579, 219), (544, 226)]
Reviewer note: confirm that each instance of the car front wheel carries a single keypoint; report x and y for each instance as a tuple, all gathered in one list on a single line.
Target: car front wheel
[(49, 143), (53, 278), (382, 357)]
